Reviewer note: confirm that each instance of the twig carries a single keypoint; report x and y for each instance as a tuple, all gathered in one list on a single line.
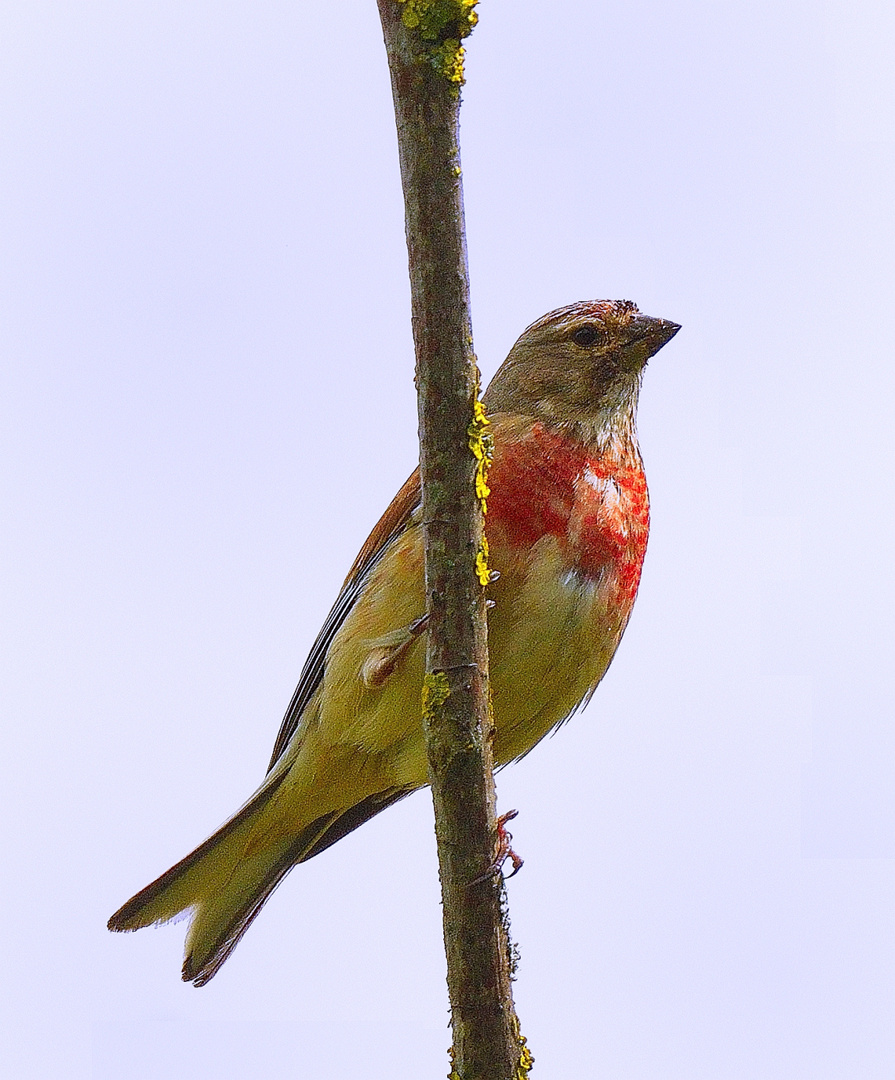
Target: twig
[(424, 43)]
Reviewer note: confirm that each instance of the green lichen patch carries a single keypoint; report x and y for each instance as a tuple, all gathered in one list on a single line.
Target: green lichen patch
[(436, 691), (447, 59), (442, 25), (440, 20)]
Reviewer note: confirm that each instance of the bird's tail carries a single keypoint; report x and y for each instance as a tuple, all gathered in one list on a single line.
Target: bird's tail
[(227, 879), (225, 882)]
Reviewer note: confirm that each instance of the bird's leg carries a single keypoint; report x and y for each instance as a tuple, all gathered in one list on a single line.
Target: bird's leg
[(387, 652), (504, 851)]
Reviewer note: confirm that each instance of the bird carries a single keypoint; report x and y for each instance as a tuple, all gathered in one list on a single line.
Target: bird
[(567, 525)]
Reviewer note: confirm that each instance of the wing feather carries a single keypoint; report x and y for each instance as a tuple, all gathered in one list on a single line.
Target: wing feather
[(387, 529)]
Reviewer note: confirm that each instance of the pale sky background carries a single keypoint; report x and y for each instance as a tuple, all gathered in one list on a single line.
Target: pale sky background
[(207, 401)]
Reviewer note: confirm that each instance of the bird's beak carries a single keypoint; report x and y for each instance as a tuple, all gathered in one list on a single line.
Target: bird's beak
[(653, 332), (644, 336)]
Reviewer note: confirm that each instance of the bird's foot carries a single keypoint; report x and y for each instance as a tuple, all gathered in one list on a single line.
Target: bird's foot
[(504, 850), (387, 652)]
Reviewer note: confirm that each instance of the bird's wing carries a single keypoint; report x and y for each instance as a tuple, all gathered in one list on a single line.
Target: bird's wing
[(387, 529)]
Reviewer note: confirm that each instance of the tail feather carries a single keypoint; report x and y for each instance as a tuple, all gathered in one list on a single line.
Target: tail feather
[(185, 883), (216, 930), (227, 879), (222, 918), (351, 819)]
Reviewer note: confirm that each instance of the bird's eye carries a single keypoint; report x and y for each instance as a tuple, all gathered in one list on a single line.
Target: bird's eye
[(589, 335)]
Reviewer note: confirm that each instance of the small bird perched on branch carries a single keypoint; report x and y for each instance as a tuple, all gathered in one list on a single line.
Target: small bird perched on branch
[(567, 525)]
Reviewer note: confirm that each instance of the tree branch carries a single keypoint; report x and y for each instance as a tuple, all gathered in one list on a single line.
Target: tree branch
[(423, 41)]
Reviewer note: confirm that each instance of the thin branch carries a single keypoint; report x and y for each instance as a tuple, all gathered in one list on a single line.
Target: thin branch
[(423, 40)]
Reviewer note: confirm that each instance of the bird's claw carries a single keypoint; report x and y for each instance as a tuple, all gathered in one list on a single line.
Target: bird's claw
[(504, 851)]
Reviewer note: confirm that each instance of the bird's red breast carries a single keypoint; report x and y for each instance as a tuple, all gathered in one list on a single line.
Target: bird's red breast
[(593, 500)]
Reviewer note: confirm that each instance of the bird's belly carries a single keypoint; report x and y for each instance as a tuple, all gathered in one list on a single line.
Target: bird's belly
[(552, 635)]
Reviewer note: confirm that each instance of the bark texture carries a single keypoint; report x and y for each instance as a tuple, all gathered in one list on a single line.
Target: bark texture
[(423, 41)]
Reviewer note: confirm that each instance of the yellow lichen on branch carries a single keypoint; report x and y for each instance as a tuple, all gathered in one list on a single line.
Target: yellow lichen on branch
[(442, 25), (482, 570), (436, 691), (526, 1057), (481, 443), (523, 1068)]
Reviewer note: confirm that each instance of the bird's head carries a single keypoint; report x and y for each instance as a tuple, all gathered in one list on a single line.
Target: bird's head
[(580, 367)]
